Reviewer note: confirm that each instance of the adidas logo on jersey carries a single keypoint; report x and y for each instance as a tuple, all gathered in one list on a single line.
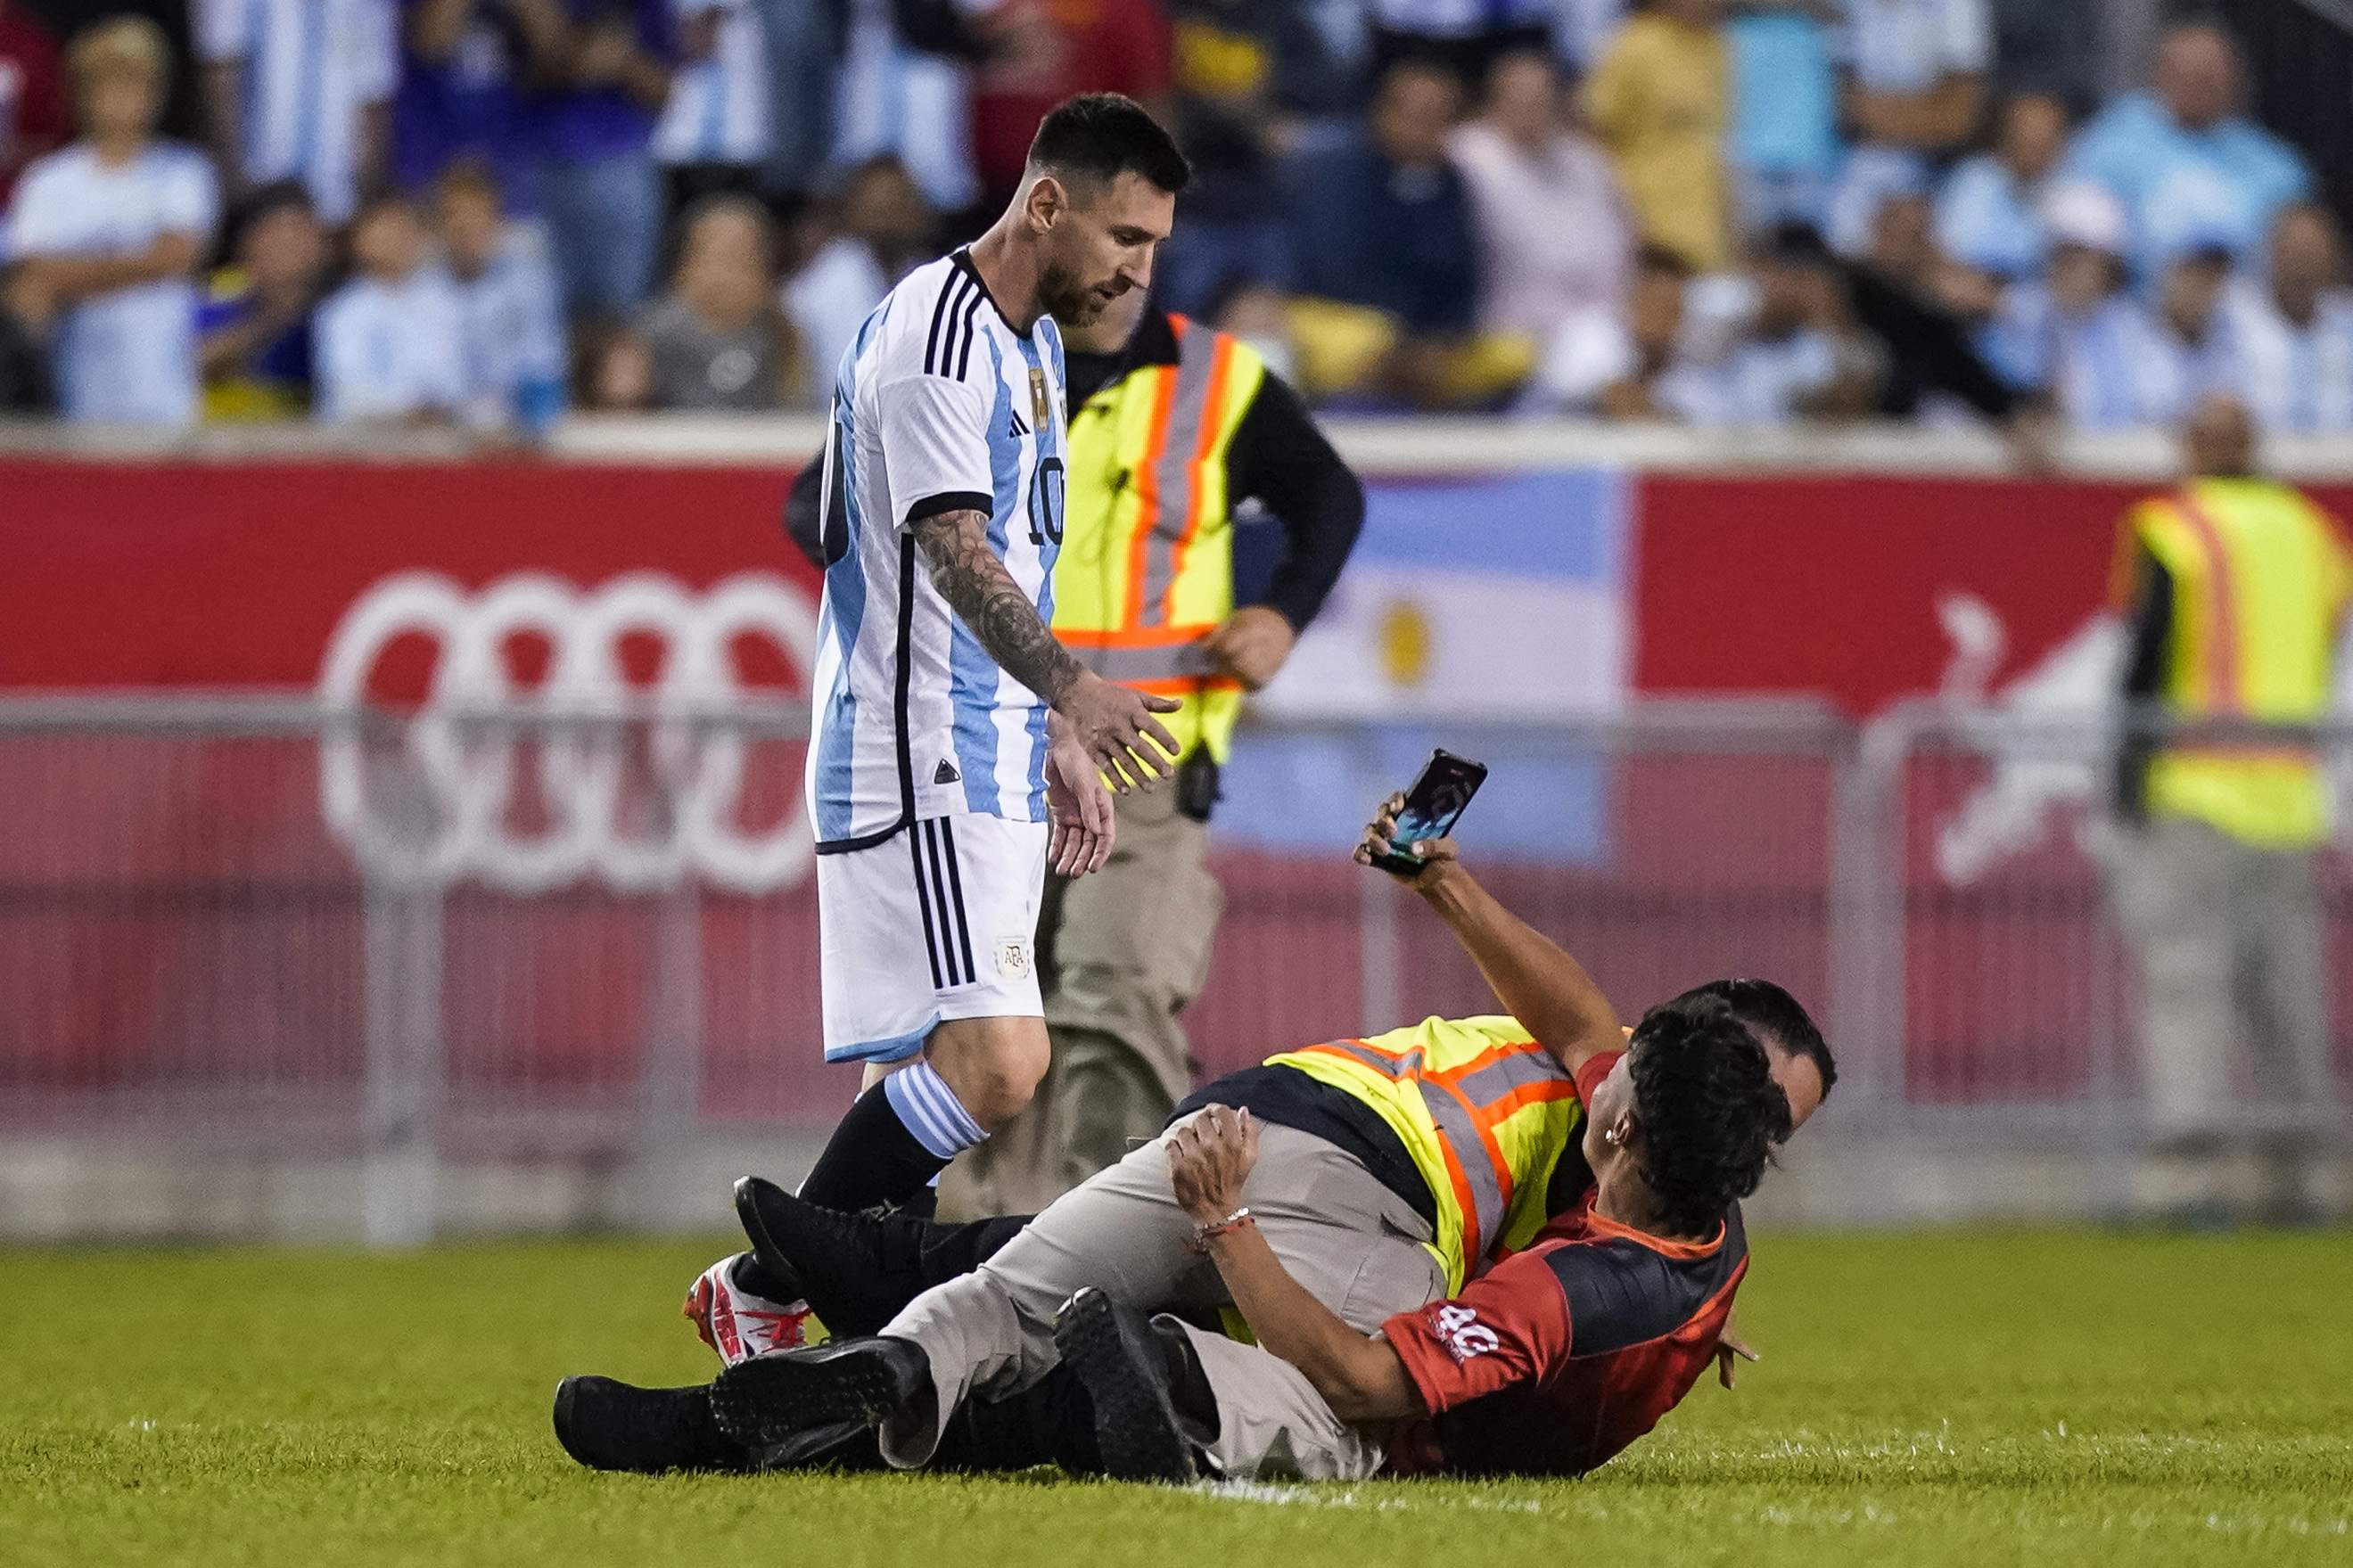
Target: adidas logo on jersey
[(1018, 428), (946, 773)]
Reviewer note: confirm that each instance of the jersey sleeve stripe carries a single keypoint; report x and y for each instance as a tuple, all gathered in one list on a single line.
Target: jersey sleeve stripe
[(963, 350), (950, 297)]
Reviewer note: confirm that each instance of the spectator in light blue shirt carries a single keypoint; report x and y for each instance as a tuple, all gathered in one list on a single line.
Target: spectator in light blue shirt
[(388, 343), (511, 318), (1987, 214), (1913, 84), (2184, 161), (2293, 332), (106, 234), (1784, 136)]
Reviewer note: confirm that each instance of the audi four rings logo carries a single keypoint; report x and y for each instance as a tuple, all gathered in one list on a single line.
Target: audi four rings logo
[(469, 770)]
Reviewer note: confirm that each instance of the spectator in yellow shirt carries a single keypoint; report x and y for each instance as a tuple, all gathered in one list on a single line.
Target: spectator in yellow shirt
[(1660, 102)]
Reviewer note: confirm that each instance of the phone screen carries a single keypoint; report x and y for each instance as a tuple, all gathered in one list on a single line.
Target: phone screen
[(1413, 825), (1433, 805)]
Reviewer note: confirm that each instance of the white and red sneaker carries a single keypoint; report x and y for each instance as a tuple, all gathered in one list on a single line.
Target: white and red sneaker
[(740, 1325)]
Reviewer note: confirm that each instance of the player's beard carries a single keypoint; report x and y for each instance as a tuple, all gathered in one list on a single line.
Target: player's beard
[(1071, 302)]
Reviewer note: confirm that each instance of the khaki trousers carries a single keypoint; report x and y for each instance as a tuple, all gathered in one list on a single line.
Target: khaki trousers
[(1271, 1423), (1355, 1245), (2228, 939), (1122, 952)]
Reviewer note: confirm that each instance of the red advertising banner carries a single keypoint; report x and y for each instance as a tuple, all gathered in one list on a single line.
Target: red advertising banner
[(237, 574), (1830, 585)]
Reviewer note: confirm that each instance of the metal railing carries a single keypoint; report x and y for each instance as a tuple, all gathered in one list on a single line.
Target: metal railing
[(591, 935)]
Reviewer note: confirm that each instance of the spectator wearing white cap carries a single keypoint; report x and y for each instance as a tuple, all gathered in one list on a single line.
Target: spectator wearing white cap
[(1912, 86), (2075, 334), (2185, 161), (2292, 333)]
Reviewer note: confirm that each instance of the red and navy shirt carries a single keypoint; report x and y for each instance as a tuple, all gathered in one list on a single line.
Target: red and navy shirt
[(1563, 1354)]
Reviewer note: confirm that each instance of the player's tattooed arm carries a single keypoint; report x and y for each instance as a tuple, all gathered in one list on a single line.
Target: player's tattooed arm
[(976, 586), (1115, 723)]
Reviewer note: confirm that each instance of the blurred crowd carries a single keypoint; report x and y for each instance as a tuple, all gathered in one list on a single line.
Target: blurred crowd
[(484, 211)]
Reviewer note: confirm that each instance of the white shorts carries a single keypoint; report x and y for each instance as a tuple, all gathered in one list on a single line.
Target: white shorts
[(937, 921)]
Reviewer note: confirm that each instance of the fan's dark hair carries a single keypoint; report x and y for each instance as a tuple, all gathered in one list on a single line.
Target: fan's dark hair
[(1709, 1113), (1778, 1020)]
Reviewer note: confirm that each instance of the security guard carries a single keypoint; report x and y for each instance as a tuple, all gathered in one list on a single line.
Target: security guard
[(1175, 431), (2234, 587)]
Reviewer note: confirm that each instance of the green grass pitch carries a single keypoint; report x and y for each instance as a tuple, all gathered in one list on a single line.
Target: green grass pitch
[(1977, 1397)]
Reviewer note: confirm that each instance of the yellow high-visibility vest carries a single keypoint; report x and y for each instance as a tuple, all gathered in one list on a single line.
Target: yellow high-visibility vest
[(1147, 564), (1484, 1112), (2260, 583)]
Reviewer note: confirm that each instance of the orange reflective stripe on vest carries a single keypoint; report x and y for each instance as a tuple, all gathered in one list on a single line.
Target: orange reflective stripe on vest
[(2218, 671), (1468, 1102), (1146, 566)]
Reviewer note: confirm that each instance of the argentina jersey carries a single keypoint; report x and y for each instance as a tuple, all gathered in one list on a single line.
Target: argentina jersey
[(940, 406)]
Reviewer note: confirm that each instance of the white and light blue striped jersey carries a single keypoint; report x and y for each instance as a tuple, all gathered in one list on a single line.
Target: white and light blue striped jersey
[(510, 333), (717, 109), (388, 350), (939, 405), (311, 66)]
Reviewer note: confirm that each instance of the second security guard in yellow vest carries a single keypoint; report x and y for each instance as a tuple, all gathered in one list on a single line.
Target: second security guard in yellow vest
[(2235, 588)]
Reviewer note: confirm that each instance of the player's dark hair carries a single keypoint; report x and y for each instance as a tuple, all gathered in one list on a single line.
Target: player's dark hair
[(1778, 1020), (1102, 135), (1709, 1109)]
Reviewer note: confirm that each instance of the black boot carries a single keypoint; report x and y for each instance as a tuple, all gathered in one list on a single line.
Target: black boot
[(1135, 1377), (774, 1399), (611, 1425), (858, 1271)]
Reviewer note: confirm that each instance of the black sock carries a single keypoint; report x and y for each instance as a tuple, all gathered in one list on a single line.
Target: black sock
[(872, 1159), (748, 1275)]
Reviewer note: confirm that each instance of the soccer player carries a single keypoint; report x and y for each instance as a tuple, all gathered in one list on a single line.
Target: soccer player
[(951, 726)]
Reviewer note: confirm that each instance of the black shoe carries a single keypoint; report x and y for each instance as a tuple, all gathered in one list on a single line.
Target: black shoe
[(777, 1398), (855, 1270), (844, 1446), (610, 1426), (1119, 1358)]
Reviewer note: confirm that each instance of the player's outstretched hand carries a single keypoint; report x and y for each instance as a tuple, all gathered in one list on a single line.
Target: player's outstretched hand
[(1210, 1158), (1434, 854), (1116, 726), (1729, 1346), (1079, 804)]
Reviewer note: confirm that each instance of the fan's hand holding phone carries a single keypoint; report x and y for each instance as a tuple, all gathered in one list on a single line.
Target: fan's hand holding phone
[(1432, 807)]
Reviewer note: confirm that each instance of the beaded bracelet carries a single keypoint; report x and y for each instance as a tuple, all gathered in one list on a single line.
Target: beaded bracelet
[(1225, 1226)]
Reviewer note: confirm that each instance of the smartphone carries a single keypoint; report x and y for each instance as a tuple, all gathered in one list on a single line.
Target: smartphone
[(1432, 807)]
